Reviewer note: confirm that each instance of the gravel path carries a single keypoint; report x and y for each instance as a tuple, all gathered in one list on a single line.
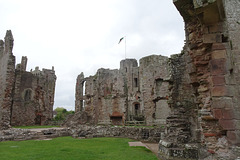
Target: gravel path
[(151, 146)]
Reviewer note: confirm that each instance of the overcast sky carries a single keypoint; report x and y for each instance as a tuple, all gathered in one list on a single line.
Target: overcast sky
[(78, 36)]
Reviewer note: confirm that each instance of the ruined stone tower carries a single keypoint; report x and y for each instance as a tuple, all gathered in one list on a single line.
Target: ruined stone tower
[(33, 96), (132, 94), (26, 98), (7, 77)]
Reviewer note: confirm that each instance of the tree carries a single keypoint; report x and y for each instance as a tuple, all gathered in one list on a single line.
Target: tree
[(61, 113)]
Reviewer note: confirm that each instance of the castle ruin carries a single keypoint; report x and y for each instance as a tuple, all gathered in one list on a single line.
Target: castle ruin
[(195, 94), (26, 98), (132, 94)]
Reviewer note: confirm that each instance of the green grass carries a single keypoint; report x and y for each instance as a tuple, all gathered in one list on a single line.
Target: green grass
[(31, 127), (68, 148)]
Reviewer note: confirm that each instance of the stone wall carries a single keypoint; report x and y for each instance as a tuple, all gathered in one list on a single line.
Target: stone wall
[(15, 134), (33, 96), (229, 114), (132, 94), (82, 131), (26, 98), (143, 134), (7, 78), (212, 48), (154, 78)]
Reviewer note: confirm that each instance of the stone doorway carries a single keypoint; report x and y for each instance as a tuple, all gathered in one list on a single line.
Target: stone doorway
[(38, 119), (117, 119), (136, 109)]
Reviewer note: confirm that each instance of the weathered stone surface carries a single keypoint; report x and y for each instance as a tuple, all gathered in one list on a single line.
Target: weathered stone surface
[(211, 41), (14, 134), (228, 124), (218, 54), (7, 79), (26, 98), (218, 80), (212, 38), (33, 97), (234, 137), (219, 91), (143, 134), (218, 67), (131, 94), (222, 102)]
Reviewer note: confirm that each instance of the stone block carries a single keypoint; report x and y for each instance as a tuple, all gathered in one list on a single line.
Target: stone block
[(219, 46), (233, 137), (219, 91), (202, 88), (227, 124), (236, 112), (218, 80), (205, 29), (237, 124), (215, 28), (210, 134), (191, 68), (230, 80), (228, 113), (218, 54), (217, 113), (218, 67), (223, 102), (212, 38)]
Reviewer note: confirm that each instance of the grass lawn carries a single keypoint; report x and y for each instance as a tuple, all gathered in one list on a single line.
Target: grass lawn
[(31, 127), (68, 148)]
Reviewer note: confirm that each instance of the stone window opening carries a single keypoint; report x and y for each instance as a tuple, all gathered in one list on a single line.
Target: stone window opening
[(136, 109), (135, 82), (158, 85), (84, 93), (83, 87), (28, 95)]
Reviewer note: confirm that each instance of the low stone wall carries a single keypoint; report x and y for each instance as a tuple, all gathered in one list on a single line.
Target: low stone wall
[(143, 134), (15, 134)]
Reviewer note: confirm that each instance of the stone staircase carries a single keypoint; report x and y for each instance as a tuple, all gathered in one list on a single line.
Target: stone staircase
[(176, 142)]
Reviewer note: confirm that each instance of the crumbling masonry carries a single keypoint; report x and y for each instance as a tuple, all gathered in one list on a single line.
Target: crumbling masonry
[(131, 94), (26, 98), (196, 93)]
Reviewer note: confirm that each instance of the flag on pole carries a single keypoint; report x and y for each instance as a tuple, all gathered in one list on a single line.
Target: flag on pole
[(120, 40)]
